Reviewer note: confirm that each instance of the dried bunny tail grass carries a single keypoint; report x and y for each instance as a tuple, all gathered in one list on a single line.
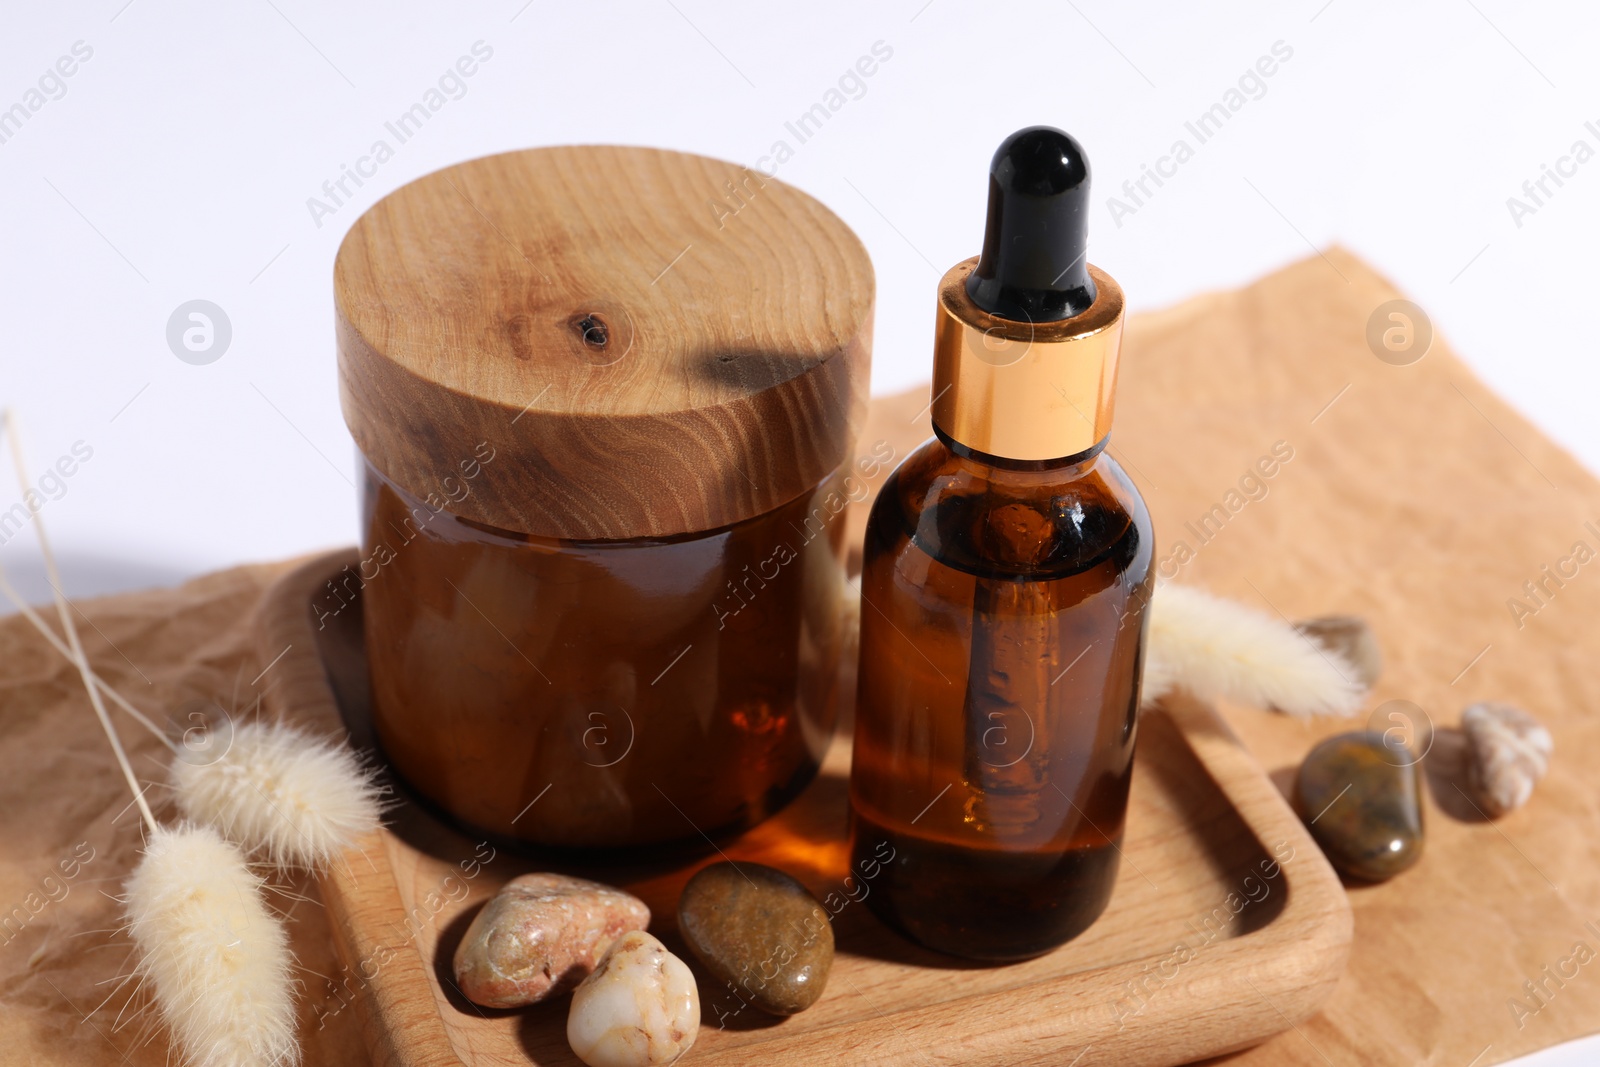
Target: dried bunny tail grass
[(218, 960), (282, 794), (1216, 648)]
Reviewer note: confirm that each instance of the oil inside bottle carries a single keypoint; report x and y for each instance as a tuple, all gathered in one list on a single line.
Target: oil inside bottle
[(1001, 636)]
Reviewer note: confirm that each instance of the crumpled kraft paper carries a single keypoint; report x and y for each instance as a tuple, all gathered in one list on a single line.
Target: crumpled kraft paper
[(69, 834), (1410, 495)]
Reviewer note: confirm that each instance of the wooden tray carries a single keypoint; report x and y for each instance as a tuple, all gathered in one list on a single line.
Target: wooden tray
[(1226, 927)]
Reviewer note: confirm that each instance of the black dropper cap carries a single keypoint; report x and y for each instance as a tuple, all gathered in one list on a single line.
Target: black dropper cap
[(1034, 266)]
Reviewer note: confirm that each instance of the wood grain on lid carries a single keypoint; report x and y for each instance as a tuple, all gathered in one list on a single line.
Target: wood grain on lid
[(652, 343)]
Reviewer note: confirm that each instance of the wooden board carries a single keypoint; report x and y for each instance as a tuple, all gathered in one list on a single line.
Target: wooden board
[(1226, 926)]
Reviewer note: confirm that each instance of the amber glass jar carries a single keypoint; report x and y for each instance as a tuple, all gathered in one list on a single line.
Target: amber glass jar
[(636, 690), (607, 435)]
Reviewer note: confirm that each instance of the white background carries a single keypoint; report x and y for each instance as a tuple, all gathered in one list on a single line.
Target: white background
[(178, 163)]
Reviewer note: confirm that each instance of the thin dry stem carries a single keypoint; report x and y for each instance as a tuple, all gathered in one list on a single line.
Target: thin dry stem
[(71, 629), (27, 612)]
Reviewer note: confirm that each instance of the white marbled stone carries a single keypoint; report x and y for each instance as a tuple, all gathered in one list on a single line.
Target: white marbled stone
[(639, 1008), (1509, 752)]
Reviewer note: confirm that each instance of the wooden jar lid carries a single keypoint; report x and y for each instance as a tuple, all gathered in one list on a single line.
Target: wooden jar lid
[(652, 343)]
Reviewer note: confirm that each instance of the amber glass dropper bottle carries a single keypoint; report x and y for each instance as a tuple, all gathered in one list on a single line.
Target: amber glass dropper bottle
[(1006, 574)]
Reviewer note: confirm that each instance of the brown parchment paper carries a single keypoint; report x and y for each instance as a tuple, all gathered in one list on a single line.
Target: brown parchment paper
[(69, 834), (1412, 496)]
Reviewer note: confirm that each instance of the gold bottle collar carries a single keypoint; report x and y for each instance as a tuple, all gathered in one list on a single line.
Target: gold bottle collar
[(1022, 390)]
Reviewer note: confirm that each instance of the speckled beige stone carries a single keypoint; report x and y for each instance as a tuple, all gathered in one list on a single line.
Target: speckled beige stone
[(639, 1008), (541, 935), (1349, 637)]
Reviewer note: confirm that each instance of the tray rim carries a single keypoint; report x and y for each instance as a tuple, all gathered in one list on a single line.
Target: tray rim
[(1268, 988)]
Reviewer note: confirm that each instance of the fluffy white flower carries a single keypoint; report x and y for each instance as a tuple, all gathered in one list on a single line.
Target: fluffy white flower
[(217, 959), (280, 794), (1216, 648)]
